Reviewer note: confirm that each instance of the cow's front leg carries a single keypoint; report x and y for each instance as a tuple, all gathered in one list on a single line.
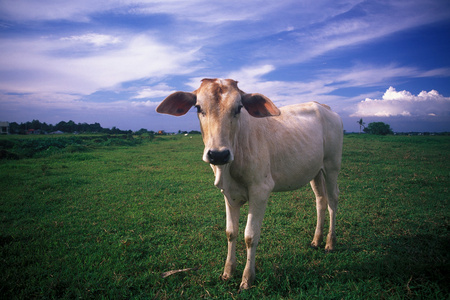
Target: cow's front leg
[(252, 234), (232, 231)]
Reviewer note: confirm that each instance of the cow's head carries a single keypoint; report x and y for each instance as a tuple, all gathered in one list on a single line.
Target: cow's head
[(218, 104)]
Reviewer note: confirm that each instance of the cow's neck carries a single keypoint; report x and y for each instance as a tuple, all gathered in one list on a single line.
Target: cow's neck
[(236, 194), (230, 186)]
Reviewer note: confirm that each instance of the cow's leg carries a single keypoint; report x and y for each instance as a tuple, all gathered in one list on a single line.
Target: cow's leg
[(232, 231), (257, 207), (319, 188), (333, 193)]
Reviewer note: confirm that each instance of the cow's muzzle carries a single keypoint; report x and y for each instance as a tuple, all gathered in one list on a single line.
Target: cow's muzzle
[(219, 157)]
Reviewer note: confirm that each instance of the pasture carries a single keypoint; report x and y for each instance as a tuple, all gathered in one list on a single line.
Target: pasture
[(105, 220)]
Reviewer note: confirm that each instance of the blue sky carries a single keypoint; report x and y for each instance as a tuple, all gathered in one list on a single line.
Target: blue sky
[(112, 62)]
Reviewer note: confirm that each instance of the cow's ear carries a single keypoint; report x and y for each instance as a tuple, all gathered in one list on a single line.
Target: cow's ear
[(259, 106), (177, 104)]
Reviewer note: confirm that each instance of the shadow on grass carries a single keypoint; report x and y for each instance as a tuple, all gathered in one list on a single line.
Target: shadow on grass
[(420, 261), (404, 266)]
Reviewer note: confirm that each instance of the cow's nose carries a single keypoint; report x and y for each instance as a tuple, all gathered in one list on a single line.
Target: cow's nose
[(219, 157)]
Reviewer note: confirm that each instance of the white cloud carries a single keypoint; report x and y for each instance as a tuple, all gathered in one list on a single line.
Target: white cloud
[(205, 11), (359, 22), (366, 75), (225, 21), (47, 65), (403, 103), (159, 90), (248, 77), (95, 39), (251, 79), (251, 74), (52, 9), (193, 10)]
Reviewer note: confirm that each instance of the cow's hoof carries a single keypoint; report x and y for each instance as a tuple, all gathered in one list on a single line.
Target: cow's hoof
[(314, 246), (329, 250), (330, 247), (225, 277), (244, 286)]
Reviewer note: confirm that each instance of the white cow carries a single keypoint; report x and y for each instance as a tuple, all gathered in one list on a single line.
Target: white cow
[(260, 150)]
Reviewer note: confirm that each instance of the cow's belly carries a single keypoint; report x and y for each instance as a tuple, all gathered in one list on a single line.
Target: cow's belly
[(295, 181), (294, 176)]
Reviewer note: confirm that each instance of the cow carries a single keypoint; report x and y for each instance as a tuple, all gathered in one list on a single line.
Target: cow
[(262, 149)]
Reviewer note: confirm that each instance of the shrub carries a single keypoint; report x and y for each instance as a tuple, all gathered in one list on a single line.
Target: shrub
[(378, 128)]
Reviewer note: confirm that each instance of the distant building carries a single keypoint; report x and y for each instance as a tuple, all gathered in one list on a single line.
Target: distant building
[(4, 127), (34, 131)]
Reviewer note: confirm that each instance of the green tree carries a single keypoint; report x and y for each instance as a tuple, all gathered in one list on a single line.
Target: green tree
[(141, 131), (14, 128), (71, 126), (378, 128), (61, 126), (96, 127), (35, 124)]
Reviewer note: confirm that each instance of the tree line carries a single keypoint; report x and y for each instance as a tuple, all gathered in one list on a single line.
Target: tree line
[(36, 126)]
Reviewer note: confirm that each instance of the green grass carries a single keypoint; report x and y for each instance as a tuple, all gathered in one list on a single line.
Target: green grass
[(20, 146), (106, 222)]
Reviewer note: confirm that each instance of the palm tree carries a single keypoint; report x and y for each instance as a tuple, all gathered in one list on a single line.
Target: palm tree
[(361, 124)]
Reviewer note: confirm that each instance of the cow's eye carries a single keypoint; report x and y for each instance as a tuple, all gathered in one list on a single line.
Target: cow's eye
[(199, 109), (238, 110)]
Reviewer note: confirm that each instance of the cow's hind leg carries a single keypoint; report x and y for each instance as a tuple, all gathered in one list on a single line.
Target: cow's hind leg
[(333, 194), (232, 231), (319, 188)]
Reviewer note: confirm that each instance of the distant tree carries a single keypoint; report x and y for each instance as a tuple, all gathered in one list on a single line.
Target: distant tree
[(361, 124), (23, 128), (141, 131), (35, 124), (96, 127), (61, 126), (115, 130), (83, 127), (71, 126), (46, 127), (14, 128), (378, 128)]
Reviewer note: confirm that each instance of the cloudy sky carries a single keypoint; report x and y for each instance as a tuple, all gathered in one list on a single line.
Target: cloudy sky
[(113, 61)]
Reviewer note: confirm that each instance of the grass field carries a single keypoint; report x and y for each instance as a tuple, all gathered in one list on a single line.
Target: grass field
[(106, 219)]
